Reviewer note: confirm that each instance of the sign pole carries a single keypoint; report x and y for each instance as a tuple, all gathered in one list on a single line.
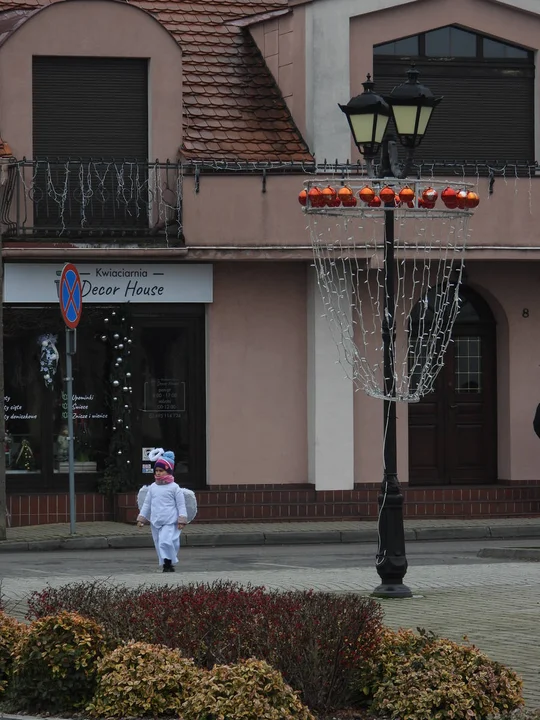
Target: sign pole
[(71, 347), (70, 296)]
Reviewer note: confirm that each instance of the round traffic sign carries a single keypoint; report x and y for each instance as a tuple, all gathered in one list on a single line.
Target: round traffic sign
[(70, 293)]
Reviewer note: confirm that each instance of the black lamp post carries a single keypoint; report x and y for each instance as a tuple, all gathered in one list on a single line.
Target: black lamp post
[(411, 106)]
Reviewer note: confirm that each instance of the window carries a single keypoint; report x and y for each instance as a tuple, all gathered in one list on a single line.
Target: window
[(35, 414), (473, 73), (92, 112), (165, 394), (452, 41), (407, 46)]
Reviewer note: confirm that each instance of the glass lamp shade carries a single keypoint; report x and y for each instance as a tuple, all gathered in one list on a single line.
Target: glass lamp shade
[(369, 128), (412, 107), (368, 115)]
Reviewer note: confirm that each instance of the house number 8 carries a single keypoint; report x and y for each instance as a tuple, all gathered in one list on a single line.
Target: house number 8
[(525, 312)]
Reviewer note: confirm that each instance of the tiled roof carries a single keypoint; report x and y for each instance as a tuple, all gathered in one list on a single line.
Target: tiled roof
[(232, 106)]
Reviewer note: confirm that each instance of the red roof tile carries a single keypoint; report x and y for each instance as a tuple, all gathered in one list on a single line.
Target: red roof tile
[(227, 85)]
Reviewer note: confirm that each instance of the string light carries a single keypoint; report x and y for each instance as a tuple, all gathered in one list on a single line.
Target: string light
[(429, 257), (74, 193)]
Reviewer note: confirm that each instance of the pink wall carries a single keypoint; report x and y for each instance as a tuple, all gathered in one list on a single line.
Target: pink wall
[(509, 289), (480, 15), (508, 219), (257, 359), (282, 43), (92, 28)]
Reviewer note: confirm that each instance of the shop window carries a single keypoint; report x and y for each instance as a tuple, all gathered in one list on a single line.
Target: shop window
[(163, 376), (36, 409)]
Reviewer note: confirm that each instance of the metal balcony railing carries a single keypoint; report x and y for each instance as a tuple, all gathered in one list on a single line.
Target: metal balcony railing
[(91, 200)]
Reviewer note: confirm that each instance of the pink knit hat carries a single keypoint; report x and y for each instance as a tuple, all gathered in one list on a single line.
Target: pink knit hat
[(165, 461)]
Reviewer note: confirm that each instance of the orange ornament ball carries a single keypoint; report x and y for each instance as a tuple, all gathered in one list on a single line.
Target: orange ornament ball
[(329, 195), (449, 198), (387, 195), (430, 195), (366, 194), (346, 196), (406, 195), (375, 202), (462, 199), (302, 198), (316, 198), (473, 199)]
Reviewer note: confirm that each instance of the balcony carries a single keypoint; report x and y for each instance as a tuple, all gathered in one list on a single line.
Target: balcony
[(92, 201)]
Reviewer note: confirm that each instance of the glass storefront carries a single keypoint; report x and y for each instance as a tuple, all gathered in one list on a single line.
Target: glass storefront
[(150, 374)]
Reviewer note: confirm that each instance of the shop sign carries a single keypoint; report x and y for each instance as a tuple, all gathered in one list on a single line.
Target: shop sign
[(105, 283)]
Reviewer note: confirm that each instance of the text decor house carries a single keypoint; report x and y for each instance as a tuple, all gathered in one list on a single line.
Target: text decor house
[(165, 160)]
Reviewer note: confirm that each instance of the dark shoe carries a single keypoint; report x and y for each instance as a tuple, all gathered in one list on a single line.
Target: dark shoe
[(167, 566)]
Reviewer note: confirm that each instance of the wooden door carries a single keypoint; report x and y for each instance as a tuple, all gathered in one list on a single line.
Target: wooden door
[(452, 431)]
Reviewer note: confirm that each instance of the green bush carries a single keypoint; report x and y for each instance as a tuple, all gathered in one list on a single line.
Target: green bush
[(56, 662), (250, 690), (317, 640), (142, 680), (422, 677), (11, 633)]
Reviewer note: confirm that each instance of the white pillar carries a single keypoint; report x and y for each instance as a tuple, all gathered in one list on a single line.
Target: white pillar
[(330, 403)]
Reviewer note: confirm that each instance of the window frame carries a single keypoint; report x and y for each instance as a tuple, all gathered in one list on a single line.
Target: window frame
[(479, 57)]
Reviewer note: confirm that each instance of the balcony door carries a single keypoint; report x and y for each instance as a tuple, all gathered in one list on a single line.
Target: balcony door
[(90, 141)]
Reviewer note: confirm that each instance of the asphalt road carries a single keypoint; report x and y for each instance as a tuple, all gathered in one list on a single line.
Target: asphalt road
[(251, 559)]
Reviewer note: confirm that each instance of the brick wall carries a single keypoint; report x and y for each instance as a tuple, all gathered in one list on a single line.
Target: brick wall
[(254, 503), (54, 508), (242, 503)]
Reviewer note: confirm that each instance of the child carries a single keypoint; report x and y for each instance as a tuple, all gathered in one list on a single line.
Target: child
[(165, 508)]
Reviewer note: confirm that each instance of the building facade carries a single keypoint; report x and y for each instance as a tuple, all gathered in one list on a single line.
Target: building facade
[(165, 160)]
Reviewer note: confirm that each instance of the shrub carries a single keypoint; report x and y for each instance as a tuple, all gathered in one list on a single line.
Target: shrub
[(11, 633), (55, 666), (317, 640), (250, 690), (422, 677), (141, 680)]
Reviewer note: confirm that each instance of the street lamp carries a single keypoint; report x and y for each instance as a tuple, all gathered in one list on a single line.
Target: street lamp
[(411, 106)]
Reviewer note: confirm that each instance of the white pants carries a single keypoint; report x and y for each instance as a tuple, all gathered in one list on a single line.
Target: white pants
[(167, 542)]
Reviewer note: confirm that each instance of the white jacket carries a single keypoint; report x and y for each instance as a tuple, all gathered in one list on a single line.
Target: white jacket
[(164, 504)]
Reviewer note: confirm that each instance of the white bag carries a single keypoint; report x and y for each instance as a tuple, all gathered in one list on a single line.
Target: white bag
[(189, 497)]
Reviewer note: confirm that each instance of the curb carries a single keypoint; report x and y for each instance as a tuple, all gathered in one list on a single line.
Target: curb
[(530, 554), (274, 537)]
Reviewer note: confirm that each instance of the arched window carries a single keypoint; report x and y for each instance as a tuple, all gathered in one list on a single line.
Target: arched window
[(487, 83)]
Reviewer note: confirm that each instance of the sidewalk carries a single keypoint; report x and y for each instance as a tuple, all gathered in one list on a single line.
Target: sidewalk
[(102, 535)]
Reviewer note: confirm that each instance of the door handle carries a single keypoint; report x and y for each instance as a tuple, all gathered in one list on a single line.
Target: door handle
[(453, 407)]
